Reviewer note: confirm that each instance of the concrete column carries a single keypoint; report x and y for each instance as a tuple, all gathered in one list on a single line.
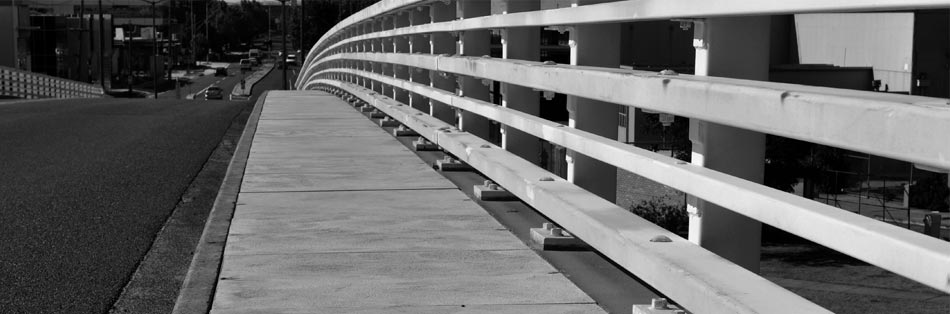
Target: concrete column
[(367, 44), (736, 48), (361, 65), (474, 43), (401, 72), (523, 44), (401, 45), (420, 44), (376, 86), (386, 23), (387, 70), (594, 45), (440, 43)]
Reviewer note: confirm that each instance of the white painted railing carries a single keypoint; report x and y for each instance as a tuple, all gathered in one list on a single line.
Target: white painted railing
[(29, 85), (401, 56)]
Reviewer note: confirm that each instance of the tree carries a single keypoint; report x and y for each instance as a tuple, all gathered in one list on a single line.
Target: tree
[(321, 15), (787, 160)]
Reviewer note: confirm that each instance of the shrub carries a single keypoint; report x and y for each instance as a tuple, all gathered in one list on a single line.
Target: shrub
[(665, 213)]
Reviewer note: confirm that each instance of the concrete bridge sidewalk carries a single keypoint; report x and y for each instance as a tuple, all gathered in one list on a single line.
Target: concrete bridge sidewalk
[(336, 216)]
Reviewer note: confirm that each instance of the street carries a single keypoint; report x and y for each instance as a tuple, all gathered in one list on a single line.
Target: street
[(86, 186), (200, 83)]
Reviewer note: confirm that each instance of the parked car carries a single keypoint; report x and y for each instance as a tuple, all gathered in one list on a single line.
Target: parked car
[(214, 92), (221, 72), (246, 64)]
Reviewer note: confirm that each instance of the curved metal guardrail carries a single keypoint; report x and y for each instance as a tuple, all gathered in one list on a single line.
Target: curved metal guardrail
[(381, 55), (30, 85)]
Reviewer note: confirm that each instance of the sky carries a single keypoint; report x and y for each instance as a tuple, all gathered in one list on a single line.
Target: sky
[(122, 2)]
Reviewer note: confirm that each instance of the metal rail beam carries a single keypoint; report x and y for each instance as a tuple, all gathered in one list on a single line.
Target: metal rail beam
[(623, 11), (907, 253), (896, 126), (696, 278)]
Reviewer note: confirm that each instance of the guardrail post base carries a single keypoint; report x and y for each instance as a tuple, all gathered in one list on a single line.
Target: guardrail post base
[(550, 238), (422, 144), (657, 306), (492, 192), (388, 122), (376, 114), (451, 164), (402, 130)]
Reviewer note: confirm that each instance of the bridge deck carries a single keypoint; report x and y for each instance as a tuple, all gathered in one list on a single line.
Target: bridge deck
[(336, 216)]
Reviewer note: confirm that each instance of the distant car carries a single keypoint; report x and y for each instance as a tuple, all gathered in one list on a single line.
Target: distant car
[(291, 59), (246, 64), (221, 72), (214, 92)]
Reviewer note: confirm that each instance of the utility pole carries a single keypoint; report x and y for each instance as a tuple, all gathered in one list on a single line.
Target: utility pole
[(102, 49), (283, 20), (128, 47), (154, 48), (191, 16), (299, 57), (207, 30), (83, 65), (16, 34), (269, 22), (168, 39)]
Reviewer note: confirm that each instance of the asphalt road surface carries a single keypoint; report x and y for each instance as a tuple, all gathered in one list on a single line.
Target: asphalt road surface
[(84, 187)]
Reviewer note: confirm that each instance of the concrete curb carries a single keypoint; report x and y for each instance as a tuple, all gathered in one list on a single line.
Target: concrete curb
[(197, 290), (14, 101), (251, 81)]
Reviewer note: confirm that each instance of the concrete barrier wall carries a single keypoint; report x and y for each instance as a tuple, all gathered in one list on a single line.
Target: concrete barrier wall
[(30, 85)]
